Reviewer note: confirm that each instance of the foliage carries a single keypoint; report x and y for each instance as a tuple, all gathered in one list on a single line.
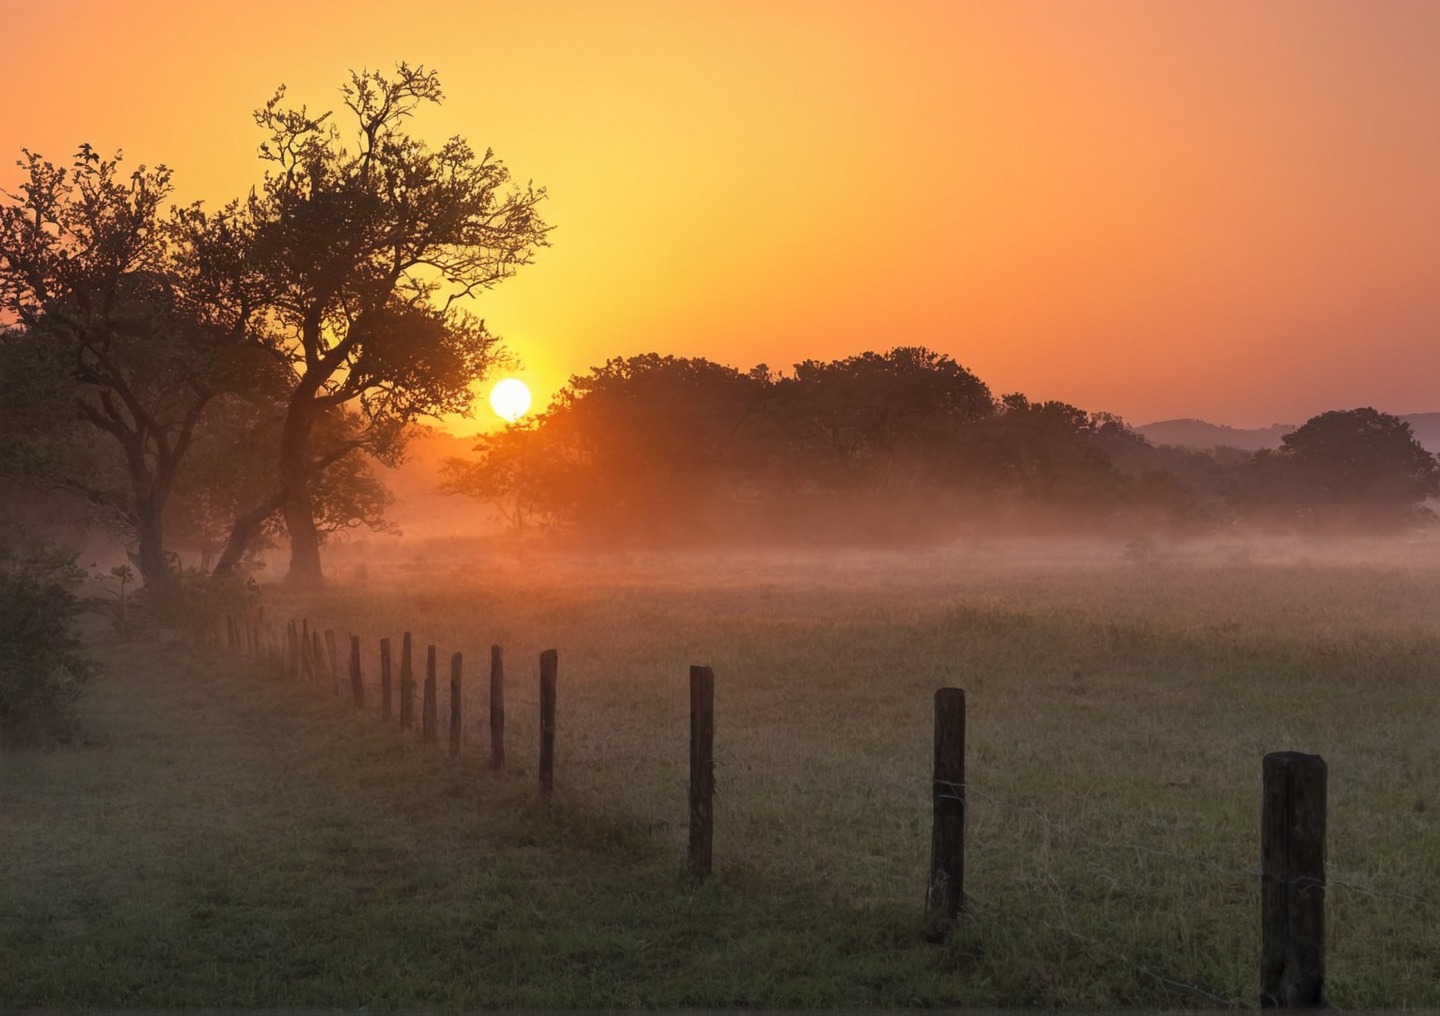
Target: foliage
[(42, 667), (116, 333), (1359, 466), (872, 420), (359, 257), (663, 445), (896, 445), (1355, 469)]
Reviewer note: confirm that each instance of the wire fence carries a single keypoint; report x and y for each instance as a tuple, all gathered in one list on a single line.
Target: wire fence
[(300, 653)]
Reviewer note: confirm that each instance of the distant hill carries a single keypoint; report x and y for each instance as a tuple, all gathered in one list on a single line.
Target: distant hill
[(1427, 429), (1202, 435)]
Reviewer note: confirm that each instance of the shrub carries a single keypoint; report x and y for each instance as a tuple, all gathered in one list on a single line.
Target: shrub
[(41, 666)]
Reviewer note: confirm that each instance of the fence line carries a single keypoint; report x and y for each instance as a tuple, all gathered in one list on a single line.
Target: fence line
[(1292, 850)]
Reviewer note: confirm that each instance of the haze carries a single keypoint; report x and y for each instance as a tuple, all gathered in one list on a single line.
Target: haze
[(1214, 210)]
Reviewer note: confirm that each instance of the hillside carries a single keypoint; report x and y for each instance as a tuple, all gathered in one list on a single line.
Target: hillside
[(1201, 435)]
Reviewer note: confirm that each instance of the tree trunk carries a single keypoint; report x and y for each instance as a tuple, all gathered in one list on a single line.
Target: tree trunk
[(243, 533), (151, 488), (295, 475), (305, 571), (149, 514)]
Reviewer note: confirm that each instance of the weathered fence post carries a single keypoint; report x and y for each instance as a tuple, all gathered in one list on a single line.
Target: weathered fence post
[(497, 708), (407, 685), (429, 712), (1292, 881), (332, 656), (385, 713), (455, 705), (317, 662), (307, 661), (357, 684), (702, 770), (946, 895), (292, 649), (548, 668)]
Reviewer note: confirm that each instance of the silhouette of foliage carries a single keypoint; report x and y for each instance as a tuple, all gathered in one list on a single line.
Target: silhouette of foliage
[(1344, 468), (118, 327), (359, 256), (42, 667)]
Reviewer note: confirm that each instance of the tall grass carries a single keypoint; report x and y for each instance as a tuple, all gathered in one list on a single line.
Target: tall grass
[(1118, 713)]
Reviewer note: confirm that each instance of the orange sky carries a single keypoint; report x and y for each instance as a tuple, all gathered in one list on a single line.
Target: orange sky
[(1219, 208)]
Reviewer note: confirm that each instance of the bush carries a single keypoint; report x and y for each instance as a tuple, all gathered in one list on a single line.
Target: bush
[(41, 666)]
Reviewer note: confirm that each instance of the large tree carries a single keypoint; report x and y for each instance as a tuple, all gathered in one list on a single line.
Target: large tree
[(1347, 468), (874, 422), (663, 446), (122, 322), (362, 244)]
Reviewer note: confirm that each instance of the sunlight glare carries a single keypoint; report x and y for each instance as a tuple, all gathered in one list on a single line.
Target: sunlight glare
[(510, 399)]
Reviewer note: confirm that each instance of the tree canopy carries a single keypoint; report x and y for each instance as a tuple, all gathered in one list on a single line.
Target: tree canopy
[(360, 256)]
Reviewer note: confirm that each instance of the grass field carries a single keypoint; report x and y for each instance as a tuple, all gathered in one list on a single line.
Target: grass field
[(228, 838)]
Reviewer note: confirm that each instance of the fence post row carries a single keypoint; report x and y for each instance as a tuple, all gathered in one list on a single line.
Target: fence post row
[(548, 667), (946, 895), (497, 708), (1292, 881), (1293, 818), (702, 770)]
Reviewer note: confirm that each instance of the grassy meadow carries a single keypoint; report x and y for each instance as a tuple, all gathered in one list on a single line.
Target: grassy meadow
[(228, 837)]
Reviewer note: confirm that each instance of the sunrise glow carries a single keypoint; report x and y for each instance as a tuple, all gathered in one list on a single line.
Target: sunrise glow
[(510, 399), (1225, 192)]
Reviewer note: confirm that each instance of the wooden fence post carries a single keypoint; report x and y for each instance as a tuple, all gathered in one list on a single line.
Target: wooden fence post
[(548, 668), (333, 657), (317, 656), (702, 770), (946, 895), (307, 659), (292, 650), (357, 684), (1292, 881), (429, 712), (455, 717), (497, 708), (407, 685), (385, 714)]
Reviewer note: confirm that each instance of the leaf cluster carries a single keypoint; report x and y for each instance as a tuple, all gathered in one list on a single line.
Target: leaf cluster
[(42, 666)]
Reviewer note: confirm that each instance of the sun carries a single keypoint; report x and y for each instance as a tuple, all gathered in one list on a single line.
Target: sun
[(510, 399)]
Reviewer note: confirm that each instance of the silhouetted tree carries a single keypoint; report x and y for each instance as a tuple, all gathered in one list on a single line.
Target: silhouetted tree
[(1043, 455), (1355, 467), (874, 422), (116, 324), (660, 445), (359, 258)]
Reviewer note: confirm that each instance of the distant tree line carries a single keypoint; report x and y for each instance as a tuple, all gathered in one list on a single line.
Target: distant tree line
[(907, 446), (212, 377)]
